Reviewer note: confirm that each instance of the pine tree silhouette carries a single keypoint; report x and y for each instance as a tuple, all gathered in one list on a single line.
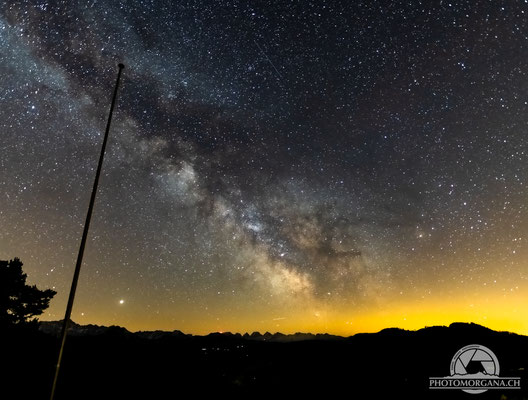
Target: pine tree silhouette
[(19, 302)]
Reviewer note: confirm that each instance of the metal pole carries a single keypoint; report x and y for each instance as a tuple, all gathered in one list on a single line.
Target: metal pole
[(69, 307)]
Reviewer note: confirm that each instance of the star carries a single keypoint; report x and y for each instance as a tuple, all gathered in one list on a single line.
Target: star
[(258, 160)]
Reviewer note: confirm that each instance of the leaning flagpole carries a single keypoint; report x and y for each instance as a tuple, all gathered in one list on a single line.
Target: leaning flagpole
[(69, 307)]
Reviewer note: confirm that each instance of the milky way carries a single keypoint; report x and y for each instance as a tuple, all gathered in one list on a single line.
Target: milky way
[(324, 166)]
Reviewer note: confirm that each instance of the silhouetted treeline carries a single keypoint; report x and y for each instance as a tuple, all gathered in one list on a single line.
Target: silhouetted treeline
[(20, 303)]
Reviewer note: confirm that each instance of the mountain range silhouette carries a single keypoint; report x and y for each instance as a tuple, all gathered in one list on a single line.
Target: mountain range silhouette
[(112, 362)]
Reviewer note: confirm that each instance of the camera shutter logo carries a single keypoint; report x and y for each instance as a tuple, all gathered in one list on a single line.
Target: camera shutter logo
[(474, 369)]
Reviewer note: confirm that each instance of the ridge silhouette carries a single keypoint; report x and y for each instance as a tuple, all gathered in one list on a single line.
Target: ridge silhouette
[(112, 362)]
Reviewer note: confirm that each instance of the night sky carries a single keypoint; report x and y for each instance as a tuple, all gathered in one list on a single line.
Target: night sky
[(287, 166)]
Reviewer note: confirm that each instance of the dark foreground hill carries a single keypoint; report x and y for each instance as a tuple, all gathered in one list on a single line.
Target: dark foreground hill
[(113, 363)]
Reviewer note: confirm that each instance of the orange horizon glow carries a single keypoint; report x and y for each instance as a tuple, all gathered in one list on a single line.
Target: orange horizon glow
[(499, 313)]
